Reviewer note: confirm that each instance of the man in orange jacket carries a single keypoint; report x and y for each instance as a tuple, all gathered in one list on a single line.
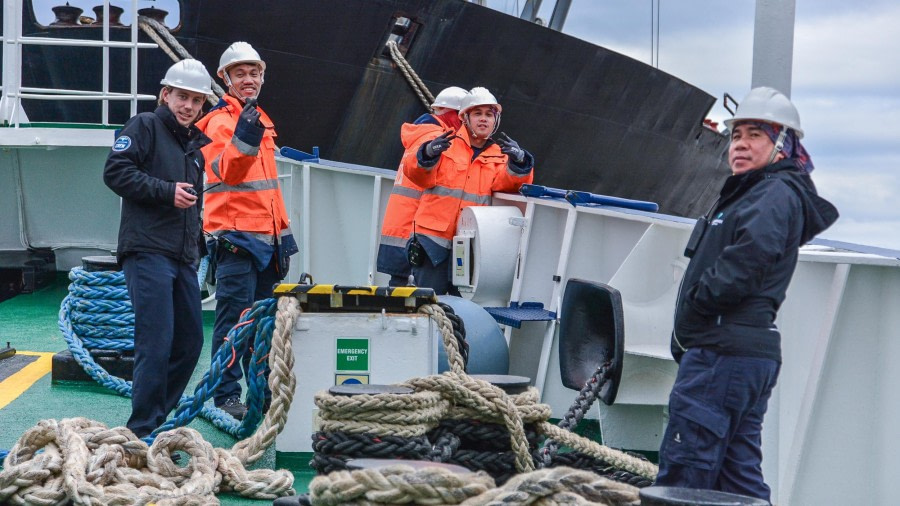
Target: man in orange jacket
[(244, 211), (397, 226), (457, 170)]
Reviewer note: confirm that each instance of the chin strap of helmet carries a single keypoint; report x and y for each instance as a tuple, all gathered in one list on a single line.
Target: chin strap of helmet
[(236, 93), (779, 144), (472, 132)]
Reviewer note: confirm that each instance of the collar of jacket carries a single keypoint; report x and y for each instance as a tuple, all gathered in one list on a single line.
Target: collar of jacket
[(735, 184), (234, 107), (490, 145), (183, 134)]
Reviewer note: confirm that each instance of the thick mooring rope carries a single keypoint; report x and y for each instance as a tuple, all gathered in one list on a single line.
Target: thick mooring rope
[(282, 383), (102, 297), (614, 457), (489, 402), (85, 462), (466, 398), (403, 484), (415, 82), (397, 484), (559, 486), (117, 470), (170, 45)]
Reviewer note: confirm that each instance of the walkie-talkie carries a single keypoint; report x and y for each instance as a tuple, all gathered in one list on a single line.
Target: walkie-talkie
[(415, 252)]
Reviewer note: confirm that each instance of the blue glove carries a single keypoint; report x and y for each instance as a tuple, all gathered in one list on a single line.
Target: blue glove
[(440, 144), (510, 148)]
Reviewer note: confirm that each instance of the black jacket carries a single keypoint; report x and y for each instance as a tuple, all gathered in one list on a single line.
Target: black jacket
[(738, 276), (151, 154)]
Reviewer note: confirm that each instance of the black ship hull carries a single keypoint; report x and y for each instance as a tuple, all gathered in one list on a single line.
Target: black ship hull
[(596, 120)]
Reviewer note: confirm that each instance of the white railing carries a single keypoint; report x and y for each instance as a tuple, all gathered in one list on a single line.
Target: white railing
[(11, 110)]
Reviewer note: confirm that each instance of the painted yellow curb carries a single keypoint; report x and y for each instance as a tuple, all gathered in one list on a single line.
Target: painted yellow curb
[(13, 386)]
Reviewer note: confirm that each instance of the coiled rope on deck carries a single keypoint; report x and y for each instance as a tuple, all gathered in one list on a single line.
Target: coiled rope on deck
[(466, 397), (102, 296), (83, 461), (402, 484)]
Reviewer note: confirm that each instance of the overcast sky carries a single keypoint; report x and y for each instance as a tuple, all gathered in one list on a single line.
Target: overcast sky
[(846, 84)]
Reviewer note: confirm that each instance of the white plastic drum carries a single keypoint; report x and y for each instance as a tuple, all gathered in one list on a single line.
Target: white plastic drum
[(484, 253)]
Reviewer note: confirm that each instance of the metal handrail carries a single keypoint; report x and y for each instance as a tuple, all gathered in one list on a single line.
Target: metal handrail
[(41, 41), (11, 78)]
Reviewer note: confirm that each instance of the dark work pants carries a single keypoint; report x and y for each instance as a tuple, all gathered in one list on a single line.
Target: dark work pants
[(397, 280), (716, 411), (238, 285), (436, 277), (168, 335)]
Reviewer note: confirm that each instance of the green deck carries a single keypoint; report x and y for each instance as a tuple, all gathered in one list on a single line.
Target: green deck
[(29, 322)]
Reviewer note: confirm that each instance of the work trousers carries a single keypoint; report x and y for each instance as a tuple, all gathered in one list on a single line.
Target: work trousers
[(168, 335), (716, 411), (238, 285), (437, 277)]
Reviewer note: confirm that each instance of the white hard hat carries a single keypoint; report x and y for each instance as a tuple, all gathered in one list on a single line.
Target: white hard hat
[(239, 52), (450, 98), (770, 105), (478, 96), (189, 75)]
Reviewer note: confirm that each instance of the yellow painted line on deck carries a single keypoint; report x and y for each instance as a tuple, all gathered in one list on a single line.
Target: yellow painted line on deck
[(13, 386)]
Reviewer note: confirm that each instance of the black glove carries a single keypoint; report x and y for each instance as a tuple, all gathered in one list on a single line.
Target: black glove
[(248, 128), (250, 114), (511, 148), (434, 148)]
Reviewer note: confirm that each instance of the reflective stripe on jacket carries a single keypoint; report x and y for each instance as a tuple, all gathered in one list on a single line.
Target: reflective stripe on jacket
[(397, 225), (249, 198), (456, 180)]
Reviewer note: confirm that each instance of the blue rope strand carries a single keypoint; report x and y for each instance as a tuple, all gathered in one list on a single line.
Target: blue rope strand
[(95, 301), (190, 406)]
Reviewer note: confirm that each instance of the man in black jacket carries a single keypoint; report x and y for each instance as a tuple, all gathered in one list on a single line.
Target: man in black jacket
[(157, 168), (743, 254)]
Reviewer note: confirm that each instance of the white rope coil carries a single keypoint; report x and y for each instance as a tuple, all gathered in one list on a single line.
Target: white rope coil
[(89, 464)]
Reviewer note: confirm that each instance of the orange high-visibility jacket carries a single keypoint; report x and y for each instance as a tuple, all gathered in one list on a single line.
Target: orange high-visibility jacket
[(457, 181), (404, 200), (248, 198)]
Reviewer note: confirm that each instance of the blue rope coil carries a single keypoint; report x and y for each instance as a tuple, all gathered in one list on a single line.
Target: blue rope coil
[(96, 316), (202, 270), (258, 322)]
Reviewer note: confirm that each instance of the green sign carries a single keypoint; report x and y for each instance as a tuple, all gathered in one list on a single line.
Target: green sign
[(352, 354)]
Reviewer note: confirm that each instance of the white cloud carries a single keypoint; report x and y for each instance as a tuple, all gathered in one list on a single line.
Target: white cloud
[(848, 51), (882, 233), (860, 192)]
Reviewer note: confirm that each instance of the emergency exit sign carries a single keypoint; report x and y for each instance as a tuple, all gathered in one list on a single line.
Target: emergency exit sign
[(352, 354)]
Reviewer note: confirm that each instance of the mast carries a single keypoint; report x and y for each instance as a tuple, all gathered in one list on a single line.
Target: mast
[(530, 11), (560, 11), (773, 44)]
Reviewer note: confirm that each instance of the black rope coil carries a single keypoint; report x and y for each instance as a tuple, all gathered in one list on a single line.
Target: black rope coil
[(479, 446), (459, 331), (332, 450), (578, 460)]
